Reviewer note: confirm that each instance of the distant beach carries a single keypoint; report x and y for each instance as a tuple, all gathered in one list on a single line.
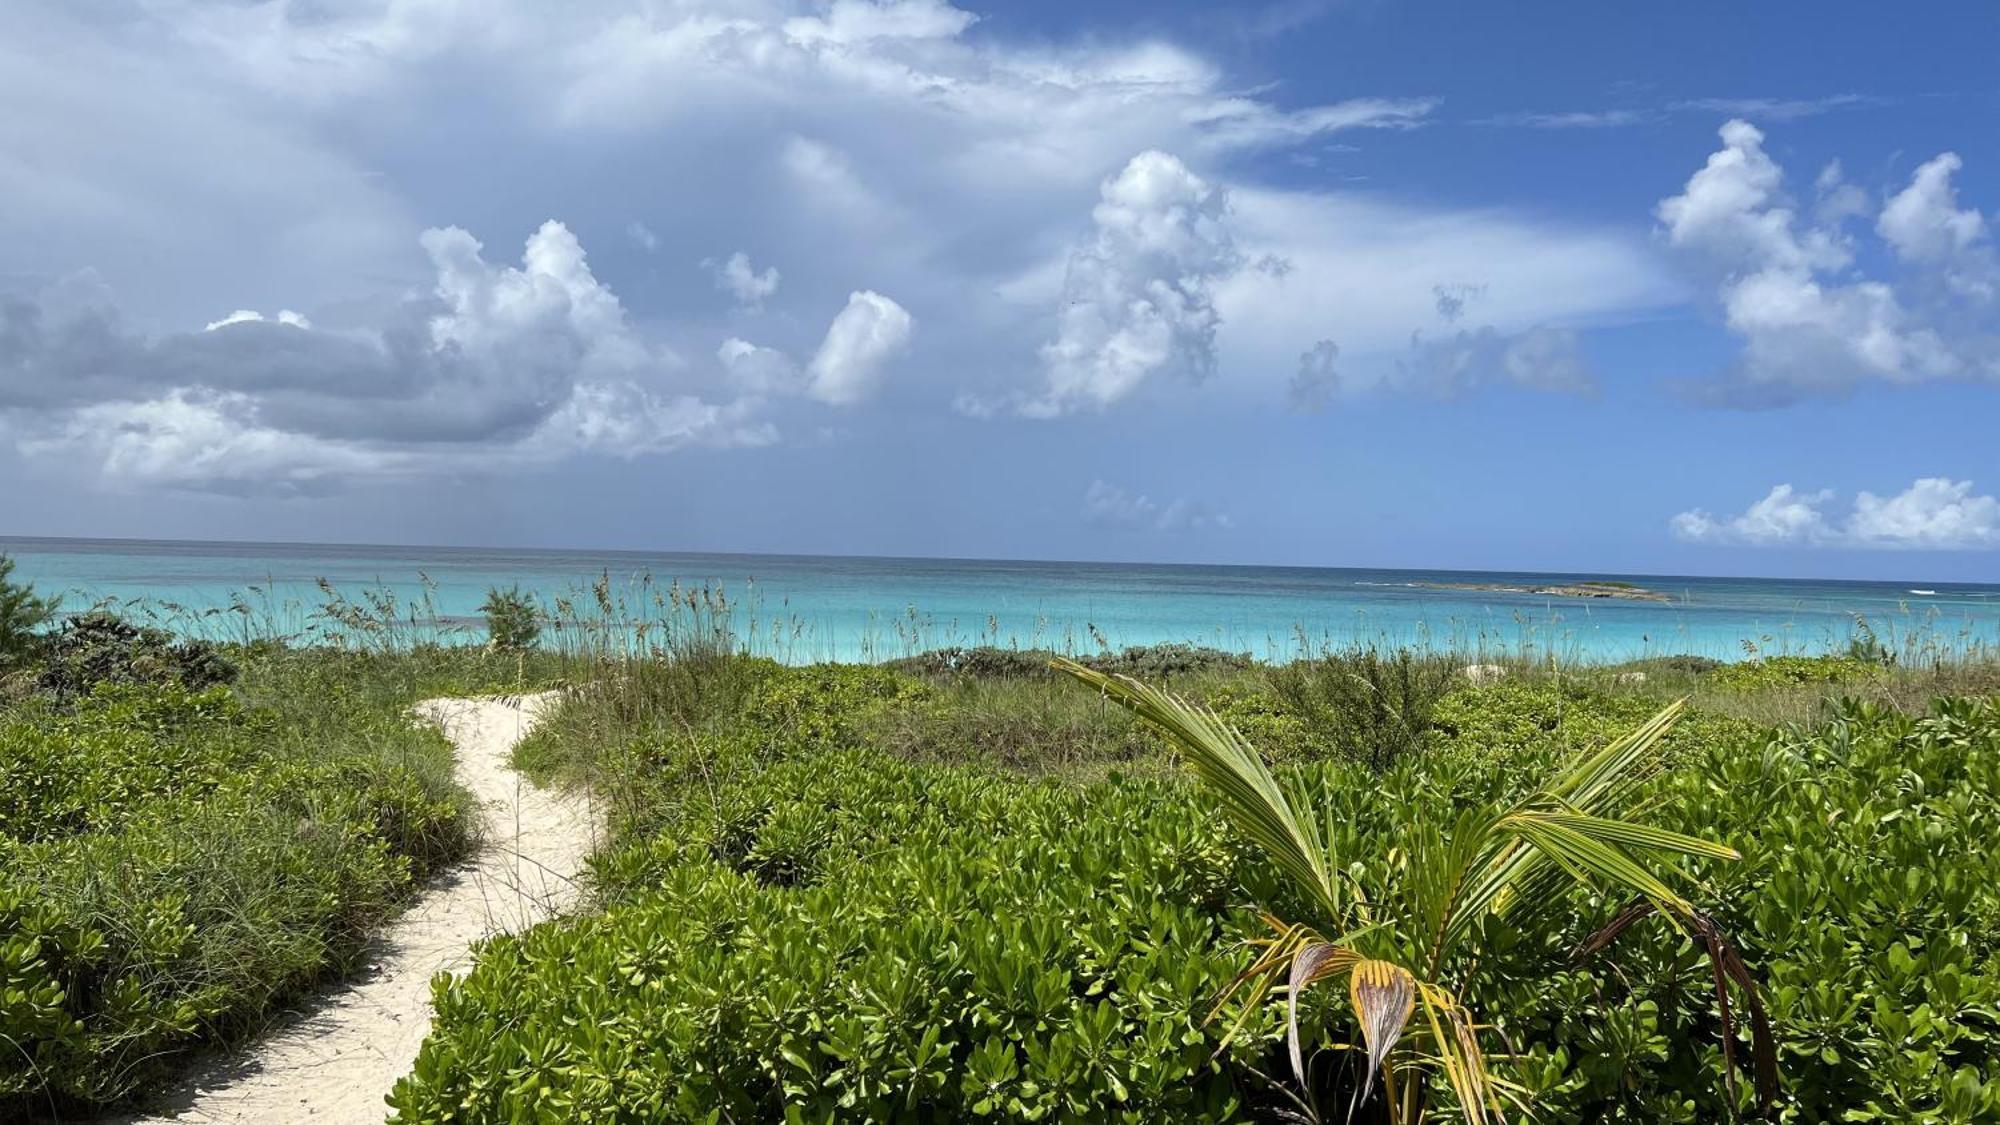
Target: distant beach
[(806, 608)]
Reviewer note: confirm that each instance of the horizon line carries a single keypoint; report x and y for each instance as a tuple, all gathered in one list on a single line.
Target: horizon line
[(661, 552)]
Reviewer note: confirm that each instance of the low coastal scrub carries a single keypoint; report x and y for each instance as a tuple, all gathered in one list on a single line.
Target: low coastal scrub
[(189, 838), (1788, 671), (961, 886), (852, 893)]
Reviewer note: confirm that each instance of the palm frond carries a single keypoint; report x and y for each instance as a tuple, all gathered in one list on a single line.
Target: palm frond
[(1579, 804), (1727, 967), (1383, 994), (1251, 797), (1456, 1042), (1314, 962)]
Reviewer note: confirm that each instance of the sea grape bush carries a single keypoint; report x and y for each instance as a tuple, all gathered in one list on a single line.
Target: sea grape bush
[(857, 939), (1869, 897), (1784, 671), (806, 927)]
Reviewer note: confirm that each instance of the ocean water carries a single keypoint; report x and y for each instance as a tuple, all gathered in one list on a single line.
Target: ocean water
[(805, 608)]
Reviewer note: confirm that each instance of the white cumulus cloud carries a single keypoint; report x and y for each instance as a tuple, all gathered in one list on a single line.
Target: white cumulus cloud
[(496, 363), (1934, 513), (1789, 287), (757, 369), (1137, 300), (863, 338), (1924, 224), (736, 277)]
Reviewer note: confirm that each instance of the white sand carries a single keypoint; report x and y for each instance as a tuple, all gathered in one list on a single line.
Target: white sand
[(337, 1061)]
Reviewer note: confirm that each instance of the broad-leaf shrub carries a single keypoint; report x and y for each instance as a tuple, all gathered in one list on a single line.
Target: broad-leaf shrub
[(803, 924), (1783, 671), (857, 938)]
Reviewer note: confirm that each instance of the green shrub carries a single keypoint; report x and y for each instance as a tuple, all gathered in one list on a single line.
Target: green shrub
[(1868, 900), (845, 936), (22, 612), (174, 862), (96, 648), (1363, 704), (1151, 662), (804, 922), (1684, 664), (985, 662), (1788, 671), (512, 622), (1166, 662)]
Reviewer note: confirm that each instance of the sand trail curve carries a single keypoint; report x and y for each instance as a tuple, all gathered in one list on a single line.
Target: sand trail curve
[(337, 1061)]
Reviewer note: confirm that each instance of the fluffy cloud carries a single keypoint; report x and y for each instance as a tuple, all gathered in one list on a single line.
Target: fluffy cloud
[(1933, 513), (736, 278), (209, 441), (1924, 225), (1784, 515), (1137, 299), (1789, 288), (496, 362), (863, 338), (1108, 505), (951, 162), (759, 370)]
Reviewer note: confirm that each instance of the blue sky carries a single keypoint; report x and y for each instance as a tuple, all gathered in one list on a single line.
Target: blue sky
[(1701, 289)]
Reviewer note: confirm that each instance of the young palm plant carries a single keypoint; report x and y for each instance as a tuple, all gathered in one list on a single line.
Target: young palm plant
[(1411, 951)]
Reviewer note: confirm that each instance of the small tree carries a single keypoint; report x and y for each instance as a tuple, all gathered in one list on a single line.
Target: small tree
[(512, 624), (22, 611)]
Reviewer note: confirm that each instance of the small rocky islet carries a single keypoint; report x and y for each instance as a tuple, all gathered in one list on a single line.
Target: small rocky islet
[(1624, 591)]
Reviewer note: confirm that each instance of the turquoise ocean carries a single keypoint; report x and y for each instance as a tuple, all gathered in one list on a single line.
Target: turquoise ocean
[(805, 608)]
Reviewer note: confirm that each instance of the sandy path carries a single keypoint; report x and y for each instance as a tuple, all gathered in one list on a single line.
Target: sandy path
[(337, 1061)]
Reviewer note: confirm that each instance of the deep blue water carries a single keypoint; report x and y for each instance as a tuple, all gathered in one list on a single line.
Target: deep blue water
[(803, 608)]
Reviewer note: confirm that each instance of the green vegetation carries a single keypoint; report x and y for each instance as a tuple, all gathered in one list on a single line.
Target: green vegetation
[(512, 624), (1365, 704), (959, 888), (1784, 671), (1411, 946), (93, 649), (192, 837), (22, 612)]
